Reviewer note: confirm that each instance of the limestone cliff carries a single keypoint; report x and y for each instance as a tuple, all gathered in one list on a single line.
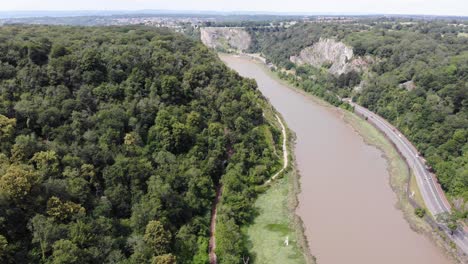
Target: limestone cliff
[(226, 38), (330, 52)]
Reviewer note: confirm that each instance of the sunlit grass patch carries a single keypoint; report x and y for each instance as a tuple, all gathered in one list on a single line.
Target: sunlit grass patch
[(414, 189), (272, 226)]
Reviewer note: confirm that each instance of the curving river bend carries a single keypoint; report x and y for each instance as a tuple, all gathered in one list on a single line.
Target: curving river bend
[(346, 202)]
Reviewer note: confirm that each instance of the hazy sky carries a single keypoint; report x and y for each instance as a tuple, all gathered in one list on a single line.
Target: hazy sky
[(439, 7)]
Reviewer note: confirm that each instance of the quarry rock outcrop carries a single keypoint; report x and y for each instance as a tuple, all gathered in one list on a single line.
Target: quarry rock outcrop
[(226, 38), (333, 54), (408, 85)]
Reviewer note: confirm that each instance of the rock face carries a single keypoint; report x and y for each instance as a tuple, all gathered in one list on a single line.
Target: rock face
[(226, 38), (409, 85), (330, 52)]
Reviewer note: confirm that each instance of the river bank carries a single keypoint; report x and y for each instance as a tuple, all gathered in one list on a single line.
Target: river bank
[(401, 179), (276, 235), (392, 169)]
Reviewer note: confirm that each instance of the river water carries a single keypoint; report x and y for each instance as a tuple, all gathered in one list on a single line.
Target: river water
[(346, 202)]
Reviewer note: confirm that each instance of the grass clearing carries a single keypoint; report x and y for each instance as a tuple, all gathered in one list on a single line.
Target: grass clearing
[(274, 222), (413, 188)]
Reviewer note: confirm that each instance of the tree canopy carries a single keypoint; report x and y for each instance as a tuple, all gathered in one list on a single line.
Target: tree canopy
[(113, 141)]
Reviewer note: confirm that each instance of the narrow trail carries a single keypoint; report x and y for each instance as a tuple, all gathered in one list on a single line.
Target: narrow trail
[(285, 152), (219, 188), (214, 212)]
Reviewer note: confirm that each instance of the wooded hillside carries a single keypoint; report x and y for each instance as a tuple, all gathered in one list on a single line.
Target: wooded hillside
[(113, 141)]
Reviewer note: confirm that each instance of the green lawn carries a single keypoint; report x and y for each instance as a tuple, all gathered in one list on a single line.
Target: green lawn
[(273, 224), (417, 193)]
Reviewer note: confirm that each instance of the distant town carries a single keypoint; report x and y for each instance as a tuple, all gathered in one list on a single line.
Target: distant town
[(182, 21)]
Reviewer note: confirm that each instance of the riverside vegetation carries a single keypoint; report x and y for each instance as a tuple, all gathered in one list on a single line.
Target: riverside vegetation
[(113, 141)]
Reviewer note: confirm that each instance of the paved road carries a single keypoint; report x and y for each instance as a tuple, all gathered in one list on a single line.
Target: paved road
[(431, 191)]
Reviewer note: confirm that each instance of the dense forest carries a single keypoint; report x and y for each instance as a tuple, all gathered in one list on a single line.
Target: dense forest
[(418, 81), (113, 141)]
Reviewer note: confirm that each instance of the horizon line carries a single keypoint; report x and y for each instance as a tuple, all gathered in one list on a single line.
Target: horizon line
[(231, 12)]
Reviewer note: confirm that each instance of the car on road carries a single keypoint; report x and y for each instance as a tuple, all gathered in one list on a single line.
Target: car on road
[(428, 168)]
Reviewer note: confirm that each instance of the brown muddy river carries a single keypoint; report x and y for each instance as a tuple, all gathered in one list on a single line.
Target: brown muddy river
[(346, 202)]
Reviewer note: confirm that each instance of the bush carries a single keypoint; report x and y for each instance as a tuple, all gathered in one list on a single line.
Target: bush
[(420, 212)]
